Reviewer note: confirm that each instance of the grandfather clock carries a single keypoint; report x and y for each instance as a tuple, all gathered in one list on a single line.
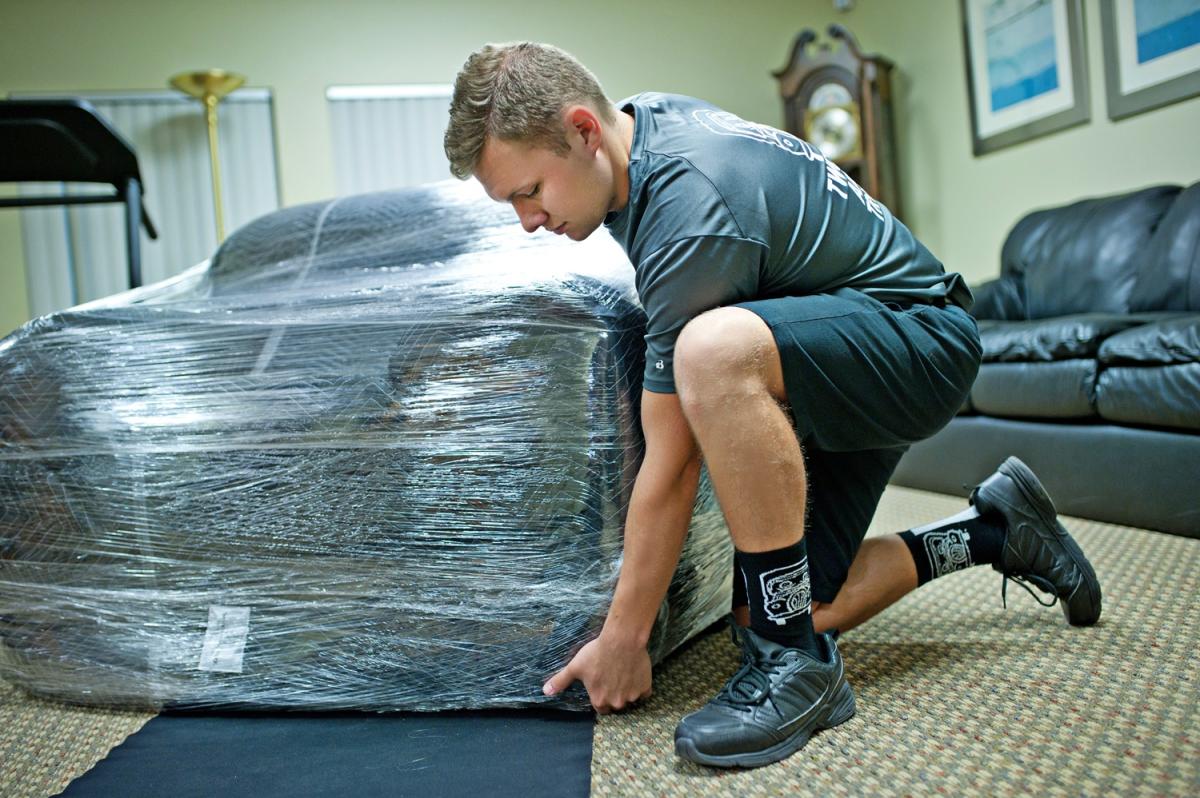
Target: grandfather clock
[(840, 101)]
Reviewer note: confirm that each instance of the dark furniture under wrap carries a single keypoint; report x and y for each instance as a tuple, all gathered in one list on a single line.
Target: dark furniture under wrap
[(376, 455), (1091, 369)]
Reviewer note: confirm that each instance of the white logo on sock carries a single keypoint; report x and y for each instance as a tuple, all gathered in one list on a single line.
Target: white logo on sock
[(786, 592), (947, 551)]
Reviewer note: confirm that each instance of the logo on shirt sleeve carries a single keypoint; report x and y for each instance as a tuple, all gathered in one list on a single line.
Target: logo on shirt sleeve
[(659, 365)]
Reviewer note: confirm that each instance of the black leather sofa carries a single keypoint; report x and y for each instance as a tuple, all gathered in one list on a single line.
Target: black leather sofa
[(1091, 366)]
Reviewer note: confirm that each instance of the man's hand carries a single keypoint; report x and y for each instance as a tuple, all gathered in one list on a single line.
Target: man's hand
[(615, 667), (615, 674)]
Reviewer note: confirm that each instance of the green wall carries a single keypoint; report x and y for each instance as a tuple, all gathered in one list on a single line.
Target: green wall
[(723, 51), (962, 206)]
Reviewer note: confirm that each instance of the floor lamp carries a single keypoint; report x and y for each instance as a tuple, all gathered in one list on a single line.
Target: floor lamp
[(209, 87)]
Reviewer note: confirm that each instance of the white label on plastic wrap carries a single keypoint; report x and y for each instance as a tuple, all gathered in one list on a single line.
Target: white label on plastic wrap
[(225, 639)]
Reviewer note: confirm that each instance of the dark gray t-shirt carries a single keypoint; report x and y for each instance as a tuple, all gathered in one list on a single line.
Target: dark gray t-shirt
[(723, 211)]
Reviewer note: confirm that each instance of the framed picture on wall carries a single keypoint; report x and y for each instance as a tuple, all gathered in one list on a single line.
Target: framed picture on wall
[(1151, 53), (1026, 69)]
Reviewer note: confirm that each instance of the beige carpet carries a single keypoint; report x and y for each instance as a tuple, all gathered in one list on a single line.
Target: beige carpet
[(44, 744), (955, 694), (961, 697)]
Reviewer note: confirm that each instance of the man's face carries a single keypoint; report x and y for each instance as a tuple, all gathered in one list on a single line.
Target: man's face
[(568, 195)]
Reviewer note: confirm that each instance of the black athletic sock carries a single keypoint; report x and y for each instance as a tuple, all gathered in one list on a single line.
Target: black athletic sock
[(955, 543), (777, 586), (739, 587)]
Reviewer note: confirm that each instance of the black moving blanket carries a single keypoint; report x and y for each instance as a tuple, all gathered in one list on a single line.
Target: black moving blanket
[(525, 753)]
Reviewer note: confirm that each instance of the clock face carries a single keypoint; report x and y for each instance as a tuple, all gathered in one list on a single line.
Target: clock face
[(828, 94), (834, 131)]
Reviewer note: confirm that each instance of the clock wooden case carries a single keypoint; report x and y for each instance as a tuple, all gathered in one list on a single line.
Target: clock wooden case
[(840, 100)]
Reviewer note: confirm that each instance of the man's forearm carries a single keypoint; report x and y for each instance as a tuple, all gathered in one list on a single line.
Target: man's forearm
[(655, 528)]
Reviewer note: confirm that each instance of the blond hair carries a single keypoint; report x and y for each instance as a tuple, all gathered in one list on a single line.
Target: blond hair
[(516, 92)]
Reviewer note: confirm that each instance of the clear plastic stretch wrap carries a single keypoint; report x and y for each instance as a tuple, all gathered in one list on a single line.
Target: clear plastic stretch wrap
[(376, 455)]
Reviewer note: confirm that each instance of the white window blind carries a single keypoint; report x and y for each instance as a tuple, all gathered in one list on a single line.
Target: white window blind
[(388, 136), (75, 254)]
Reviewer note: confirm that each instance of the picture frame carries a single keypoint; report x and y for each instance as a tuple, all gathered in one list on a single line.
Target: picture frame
[(1026, 69), (1151, 53)]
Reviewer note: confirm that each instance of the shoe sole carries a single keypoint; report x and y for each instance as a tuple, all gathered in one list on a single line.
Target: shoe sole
[(841, 710), (1090, 583), (1033, 491)]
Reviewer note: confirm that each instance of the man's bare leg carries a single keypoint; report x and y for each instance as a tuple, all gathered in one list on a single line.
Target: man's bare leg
[(881, 574), (726, 359), (731, 388)]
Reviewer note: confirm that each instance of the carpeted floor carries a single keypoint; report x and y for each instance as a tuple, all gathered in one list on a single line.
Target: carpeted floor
[(959, 696), (955, 694), (45, 744)]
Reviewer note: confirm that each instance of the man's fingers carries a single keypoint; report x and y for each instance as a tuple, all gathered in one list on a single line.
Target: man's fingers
[(559, 681)]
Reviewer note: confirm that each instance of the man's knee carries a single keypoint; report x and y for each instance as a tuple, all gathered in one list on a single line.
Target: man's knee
[(725, 354)]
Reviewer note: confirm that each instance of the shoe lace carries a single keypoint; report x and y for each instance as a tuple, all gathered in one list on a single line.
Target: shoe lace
[(751, 685), (1024, 580), (747, 687)]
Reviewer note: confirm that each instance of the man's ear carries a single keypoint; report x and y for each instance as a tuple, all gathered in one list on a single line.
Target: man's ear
[(583, 122)]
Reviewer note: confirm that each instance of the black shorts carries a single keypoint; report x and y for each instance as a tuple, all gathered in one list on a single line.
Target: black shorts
[(865, 379)]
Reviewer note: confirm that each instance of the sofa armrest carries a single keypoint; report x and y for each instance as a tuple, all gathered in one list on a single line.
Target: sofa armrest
[(1002, 299)]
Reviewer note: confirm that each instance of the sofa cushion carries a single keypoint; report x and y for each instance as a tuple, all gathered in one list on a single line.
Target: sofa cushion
[(1172, 340), (1156, 396), (1169, 271), (1083, 257), (1044, 340), (1060, 389), (1151, 375)]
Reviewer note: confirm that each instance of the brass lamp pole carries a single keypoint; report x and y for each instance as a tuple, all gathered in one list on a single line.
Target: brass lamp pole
[(209, 87)]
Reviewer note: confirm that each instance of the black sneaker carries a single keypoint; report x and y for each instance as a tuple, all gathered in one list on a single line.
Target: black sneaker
[(770, 707), (1037, 549)]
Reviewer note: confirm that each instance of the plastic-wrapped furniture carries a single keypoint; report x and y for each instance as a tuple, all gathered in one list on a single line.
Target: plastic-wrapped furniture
[(376, 454)]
